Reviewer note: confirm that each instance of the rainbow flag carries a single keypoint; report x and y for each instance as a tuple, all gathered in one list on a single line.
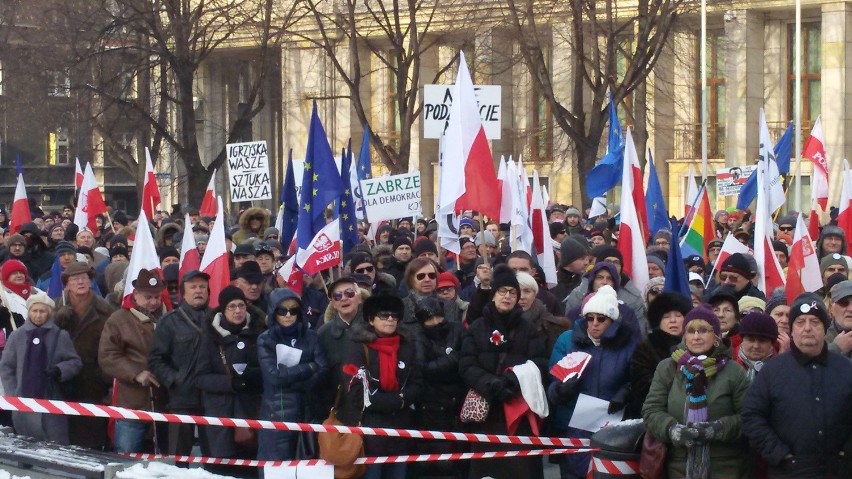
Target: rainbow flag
[(700, 231)]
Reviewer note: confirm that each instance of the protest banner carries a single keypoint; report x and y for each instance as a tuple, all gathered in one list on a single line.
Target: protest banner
[(248, 170), (436, 109), (392, 197), (730, 180)]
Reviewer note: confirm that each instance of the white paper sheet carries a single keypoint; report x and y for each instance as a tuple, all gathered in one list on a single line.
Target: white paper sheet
[(590, 414), (299, 472), (287, 356)]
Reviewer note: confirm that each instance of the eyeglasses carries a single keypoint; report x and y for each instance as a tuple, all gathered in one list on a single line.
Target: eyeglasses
[(365, 270), (843, 302), (388, 316), (348, 293), (596, 318), (785, 228), (507, 291), (422, 276), (699, 331), (729, 278), (236, 306), (287, 311)]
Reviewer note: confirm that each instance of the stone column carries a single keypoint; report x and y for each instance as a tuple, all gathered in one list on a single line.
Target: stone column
[(836, 89), (744, 80)]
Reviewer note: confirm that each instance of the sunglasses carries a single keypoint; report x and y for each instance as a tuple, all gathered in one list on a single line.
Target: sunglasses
[(348, 293), (785, 228), (365, 269), (422, 276), (287, 311), (596, 318), (843, 302), (387, 316)]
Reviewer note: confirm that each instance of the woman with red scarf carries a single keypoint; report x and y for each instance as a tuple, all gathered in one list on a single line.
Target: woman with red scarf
[(382, 357), (17, 287)]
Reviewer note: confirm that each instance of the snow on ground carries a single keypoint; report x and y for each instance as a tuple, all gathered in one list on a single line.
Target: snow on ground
[(159, 470), (6, 475)]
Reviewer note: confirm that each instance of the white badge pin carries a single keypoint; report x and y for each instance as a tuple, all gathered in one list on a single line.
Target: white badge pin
[(152, 281), (36, 340), (448, 350), (805, 308), (836, 256), (401, 365), (241, 345)]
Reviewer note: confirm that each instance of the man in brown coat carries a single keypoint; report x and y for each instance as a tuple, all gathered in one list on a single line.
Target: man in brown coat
[(83, 313), (123, 356)]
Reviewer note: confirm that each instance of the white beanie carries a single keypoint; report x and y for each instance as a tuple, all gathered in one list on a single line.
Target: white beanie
[(40, 298), (604, 301)]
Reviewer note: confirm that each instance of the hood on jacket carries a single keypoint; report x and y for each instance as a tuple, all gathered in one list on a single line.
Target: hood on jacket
[(613, 271), (275, 298), (168, 229), (250, 213)]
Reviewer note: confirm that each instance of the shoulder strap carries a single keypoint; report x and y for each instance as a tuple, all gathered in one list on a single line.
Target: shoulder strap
[(224, 361), (189, 320), (366, 355)]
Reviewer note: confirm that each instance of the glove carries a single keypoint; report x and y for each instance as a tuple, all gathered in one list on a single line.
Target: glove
[(505, 394), (512, 381), (238, 384), (709, 431), (619, 400), (566, 389), (682, 435), (615, 405), (53, 372)]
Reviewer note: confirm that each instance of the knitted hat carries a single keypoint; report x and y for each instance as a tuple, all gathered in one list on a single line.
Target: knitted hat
[(704, 313), (571, 250), (781, 247), (12, 266), (653, 259), (557, 229), (422, 246), (64, 247), (603, 252), (832, 230), (759, 324), (809, 303), (76, 268), (40, 298), (664, 234), (401, 240), (168, 252), (831, 260), (502, 277), (271, 231), (485, 237), (572, 212), (777, 299), (789, 220), (694, 260), (737, 263), (16, 239), (833, 280), (250, 271), (230, 293), (665, 303), (119, 250), (467, 222), (604, 301), (427, 308), (463, 240), (751, 302), (359, 258), (448, 279), (244, 249)]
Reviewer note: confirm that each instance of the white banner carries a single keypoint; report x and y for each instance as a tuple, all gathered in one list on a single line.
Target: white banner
[(730, 180), (248, 170), (392, 197), (436, 109)]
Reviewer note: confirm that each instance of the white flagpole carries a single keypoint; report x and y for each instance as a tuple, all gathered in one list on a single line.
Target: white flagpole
[(797, 104), (704, 165)]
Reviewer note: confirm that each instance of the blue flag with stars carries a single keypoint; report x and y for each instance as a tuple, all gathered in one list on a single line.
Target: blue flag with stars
[(363, 172), (321, 183), (607, 173), (655, 204), (783, 152), (290, 203), (348, 220)]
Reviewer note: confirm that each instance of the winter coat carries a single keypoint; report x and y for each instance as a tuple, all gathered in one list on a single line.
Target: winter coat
[(628, 295), (607, 376), (175, 354), (36, 258), (830, 334), (657, 346), (123, 354), (168, 229), (726, 391), (214, 380), (546, 324), (288, 392), (451, 311), (480, 297), (241, 235), (390, 409), (803, 407), (335, 336), (51, 427), (566, 283), (443, 388)]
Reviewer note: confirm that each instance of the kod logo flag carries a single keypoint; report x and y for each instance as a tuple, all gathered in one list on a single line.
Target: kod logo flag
[(324, 251)]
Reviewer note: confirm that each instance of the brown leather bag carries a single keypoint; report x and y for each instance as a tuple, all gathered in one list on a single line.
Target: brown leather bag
[(652, 461)]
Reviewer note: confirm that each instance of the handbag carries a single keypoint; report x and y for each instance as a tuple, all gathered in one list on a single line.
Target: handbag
[(243, 436), (474, 408), (652, 461)]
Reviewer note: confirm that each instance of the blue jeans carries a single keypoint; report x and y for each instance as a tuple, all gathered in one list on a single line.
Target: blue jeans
[(130, 435), (386, 471)]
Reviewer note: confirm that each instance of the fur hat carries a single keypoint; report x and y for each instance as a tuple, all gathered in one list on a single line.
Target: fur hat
[(704, 313), (604, 301), (759, 324), (40, 298), (383, 302), (665, 303), (809, 303)]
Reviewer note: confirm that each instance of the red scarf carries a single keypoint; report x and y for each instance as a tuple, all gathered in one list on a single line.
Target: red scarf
[(22, 290), (387, 349)]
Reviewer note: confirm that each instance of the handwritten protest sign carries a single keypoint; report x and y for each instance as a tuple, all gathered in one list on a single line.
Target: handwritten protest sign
[(248, 169), (392, 197)]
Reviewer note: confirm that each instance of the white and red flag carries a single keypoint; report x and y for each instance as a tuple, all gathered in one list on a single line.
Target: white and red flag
[(215, 260), (78, 175), (208, 203), (292, 275), (571, 366), (189, 258), (844, 215), (541, 234), (631, 237), (90, 202), (144, 256), (20, 207), (814, 150), (803, 266), (150, 190), (769, 273), (730, 246), (691, 195), (813, 220), (324, 251), (505, 184)]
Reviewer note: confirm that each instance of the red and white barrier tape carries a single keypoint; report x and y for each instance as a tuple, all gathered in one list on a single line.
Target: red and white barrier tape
[(458, 456), (615, 468), (46, 406)]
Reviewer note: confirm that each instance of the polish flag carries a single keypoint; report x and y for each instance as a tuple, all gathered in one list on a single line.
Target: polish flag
[(730, 246), (844, 216), (90, 202), (638, 191), (150, 191), (467, 146), (524, 177), (691, 196), (631, 239), (769, 273), (813, 220), (292, 275), (189, 257), (324, 251), (505, 184), (541, 234), (814, 149), (20, 207), (208, 203), (144, 257), (803, 267), (78, 175), (215, 260)]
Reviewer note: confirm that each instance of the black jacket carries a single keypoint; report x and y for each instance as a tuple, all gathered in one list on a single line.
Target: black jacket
[(443, 388), (565, 283), (647, 355)]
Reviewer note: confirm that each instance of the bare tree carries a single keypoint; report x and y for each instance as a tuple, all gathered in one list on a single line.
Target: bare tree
[(614, 48), (399, 35)]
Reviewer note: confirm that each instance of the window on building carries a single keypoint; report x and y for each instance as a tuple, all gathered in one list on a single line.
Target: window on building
[(58, 147), (811, 73), (2, 79), (541, 118), (394, 120), (128, 82), (244, 81), (716, 104), (58, 83)]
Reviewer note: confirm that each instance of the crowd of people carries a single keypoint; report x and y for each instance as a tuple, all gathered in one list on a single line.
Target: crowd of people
[(404, 334)]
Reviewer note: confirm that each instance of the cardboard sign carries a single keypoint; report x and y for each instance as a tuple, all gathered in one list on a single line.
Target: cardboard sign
[(730, 180), (248, 170), (436, 109), (392, 197)]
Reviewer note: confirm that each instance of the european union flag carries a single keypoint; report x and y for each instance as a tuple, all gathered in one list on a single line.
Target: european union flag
[(321, 183), (783, 152), (348, 220), (55, 288), (18, 168), (655, 204), (364, 171), (677, 278), (290, 203), (607, 173)]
